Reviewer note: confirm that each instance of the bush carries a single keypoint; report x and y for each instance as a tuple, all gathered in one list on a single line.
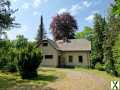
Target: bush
[(11, 67), (28, 61), (100, 67), (118, 69), (3, 61), (11, 60), (116, 55)]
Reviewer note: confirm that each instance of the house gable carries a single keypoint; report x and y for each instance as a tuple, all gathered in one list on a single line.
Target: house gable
[(50, 54)]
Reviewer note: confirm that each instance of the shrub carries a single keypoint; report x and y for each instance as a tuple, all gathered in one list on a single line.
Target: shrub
[(116, 54), (28, 61), (11, 67), (118, 69), (99, 67), (3, 62), (3, 58)]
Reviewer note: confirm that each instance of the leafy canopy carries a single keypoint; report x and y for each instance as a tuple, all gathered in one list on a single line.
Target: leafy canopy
[(63, 26)]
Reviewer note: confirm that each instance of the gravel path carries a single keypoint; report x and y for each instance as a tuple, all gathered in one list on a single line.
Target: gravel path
[(76, 80)]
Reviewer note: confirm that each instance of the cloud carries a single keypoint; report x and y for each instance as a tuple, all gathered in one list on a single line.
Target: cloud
[(25, 6), (37, 3), (87, 4), (62, 10), (18, 31), (73, 10), (13, 1), (76, 7), (90, 18)]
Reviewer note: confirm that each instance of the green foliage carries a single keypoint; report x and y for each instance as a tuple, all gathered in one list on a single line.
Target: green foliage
[(10, 67), (97, 40), (20, 42), (6, 17), (100, 67), (116, 54), (116, 7), (86, 33), (111, 35), (8, 60), (9, 51), (4, 49), (28, 61)]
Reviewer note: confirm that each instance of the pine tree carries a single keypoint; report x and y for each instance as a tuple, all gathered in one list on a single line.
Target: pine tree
[(97, 40), (111, 34), (40, 34)]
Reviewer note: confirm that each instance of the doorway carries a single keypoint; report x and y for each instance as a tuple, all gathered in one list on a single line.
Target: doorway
[(61, 62)]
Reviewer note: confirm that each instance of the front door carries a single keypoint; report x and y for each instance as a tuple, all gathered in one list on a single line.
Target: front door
[(61, 62)]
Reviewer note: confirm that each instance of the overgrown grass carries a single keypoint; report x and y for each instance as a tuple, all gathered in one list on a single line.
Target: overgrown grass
[(45, 76), (102, 74)]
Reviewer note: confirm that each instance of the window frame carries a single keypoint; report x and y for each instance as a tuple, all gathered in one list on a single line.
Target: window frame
[(48, 56), (80, 59), (45, 44), (70, 59)]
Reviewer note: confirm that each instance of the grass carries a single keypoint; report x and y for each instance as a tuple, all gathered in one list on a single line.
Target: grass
[(45, 76), (102, 74)]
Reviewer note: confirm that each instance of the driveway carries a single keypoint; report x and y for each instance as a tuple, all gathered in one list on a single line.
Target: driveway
[(76, 80)]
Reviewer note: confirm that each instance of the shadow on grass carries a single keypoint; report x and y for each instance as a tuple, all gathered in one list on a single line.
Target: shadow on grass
[(6, 81), (49, 78)]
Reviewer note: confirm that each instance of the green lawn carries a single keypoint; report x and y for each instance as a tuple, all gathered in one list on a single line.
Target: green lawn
[(45, 76)]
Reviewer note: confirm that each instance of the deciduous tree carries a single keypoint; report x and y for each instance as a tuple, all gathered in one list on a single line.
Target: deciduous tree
[(63, 26), (86, 33), (6, 17)]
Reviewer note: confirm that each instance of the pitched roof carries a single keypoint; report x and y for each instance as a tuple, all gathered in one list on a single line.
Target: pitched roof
[(74, 45)]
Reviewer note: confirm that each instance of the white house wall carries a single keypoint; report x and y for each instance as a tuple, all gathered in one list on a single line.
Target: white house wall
[(84, 54), (49, 50)]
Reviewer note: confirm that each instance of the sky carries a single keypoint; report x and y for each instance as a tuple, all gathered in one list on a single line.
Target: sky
[(30, 11)]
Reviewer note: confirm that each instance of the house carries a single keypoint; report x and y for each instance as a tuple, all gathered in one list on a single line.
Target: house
[(76, 52)]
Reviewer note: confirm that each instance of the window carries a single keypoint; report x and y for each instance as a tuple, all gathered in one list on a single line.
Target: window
[(48, 56), (80, 59), (45, 44), (41, 57), (70, 59)]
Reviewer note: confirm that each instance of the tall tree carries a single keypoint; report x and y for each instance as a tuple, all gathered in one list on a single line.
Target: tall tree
[(116, 54), (116, 7), (20, 42), (63, 26), (6, 17), (40, 34), (86, 33), (111, 36), (97, 40)]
